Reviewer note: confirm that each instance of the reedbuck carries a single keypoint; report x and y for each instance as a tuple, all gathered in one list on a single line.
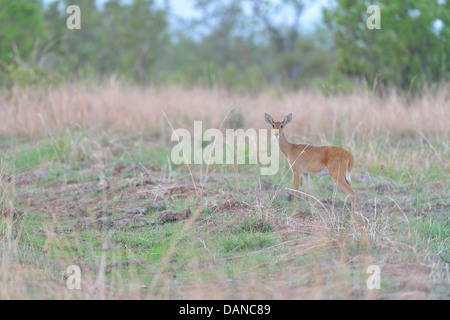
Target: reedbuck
[(306, 159)]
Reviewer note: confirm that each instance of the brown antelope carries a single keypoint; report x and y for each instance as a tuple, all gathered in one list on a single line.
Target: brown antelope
[(306, 159)]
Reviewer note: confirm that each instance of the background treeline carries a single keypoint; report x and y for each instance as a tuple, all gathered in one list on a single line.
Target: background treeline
[(245, 44)]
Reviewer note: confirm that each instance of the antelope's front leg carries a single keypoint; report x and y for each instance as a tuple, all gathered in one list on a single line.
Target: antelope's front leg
[(296, 186), (306, 181)]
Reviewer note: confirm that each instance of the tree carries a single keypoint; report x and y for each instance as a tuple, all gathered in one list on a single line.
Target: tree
[(21, 28), (121, 37), (74, 52), (249, 35), (411, 48), (284, 37), (135, 37), (222, 29)]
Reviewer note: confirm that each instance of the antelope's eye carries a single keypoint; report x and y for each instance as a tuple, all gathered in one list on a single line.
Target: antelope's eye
[(281, 126), (273, 126)]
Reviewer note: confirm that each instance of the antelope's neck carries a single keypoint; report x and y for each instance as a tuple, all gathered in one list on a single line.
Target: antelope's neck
[(285, 146)]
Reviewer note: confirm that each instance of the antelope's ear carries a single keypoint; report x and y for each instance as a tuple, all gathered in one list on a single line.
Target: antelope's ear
[(269, 119), (287, 119)]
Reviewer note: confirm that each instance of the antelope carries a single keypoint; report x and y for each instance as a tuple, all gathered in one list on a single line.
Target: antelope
[(306, 159)]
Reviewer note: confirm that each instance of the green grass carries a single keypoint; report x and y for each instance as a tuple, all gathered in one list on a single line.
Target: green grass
[(240, 236)]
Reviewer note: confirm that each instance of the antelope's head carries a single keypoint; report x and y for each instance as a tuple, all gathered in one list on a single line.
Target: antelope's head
[(278, 125)]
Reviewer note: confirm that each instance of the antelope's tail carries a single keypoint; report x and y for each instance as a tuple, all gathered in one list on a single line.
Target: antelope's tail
[(351, 165)]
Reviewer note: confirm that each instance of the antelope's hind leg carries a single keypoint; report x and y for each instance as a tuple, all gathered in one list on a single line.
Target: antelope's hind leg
[(338, 173)]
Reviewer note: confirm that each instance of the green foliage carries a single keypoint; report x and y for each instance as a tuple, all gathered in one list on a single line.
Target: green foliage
[(122, 38), (23, 75), (232, 44), (411, 49), (131, 39), (21, 26), (135, 38), (22, 30)]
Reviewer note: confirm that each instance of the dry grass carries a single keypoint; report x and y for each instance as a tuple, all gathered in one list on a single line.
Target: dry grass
[(116, 107)]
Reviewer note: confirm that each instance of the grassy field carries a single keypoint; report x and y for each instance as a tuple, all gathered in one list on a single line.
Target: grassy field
[(86, 179)]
